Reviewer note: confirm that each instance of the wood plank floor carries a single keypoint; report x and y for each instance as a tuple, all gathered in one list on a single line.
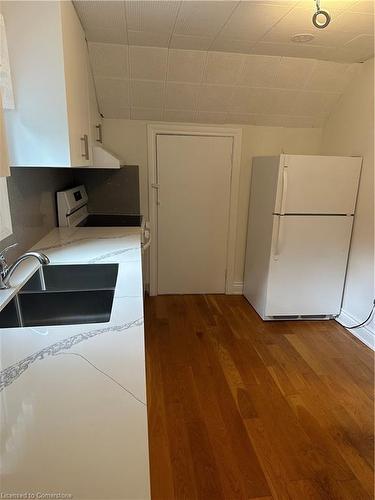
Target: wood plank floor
[(244, 409)]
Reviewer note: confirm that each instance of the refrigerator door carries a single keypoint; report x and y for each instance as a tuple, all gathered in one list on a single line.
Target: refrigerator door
[(308, 265), (317, 184)]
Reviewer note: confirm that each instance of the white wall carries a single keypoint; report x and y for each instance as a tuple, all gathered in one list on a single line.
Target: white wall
[(128, 138), (350, 131)]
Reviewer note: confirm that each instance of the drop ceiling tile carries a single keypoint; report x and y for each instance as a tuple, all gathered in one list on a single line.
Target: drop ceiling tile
[(361, 46), (210, 117), (112, 90), (295, 50), (298, 20), (181, 96), (225, 44), (147, 94), (290, 3), (186, 65), (148, 39), (113, 97), (112, 110), (315, 103), (251, 20), (286, 121), (280, 101), (364, 7), (329, 38), (260, 71), (330, 76), (293, 72), (352, 22), (214, 98), (223, 67), (302, 121), (325, 38), (109, 59), (358, 50), (305, 10), (102, 21), (202, 18), (320, 120), (337, 7), (148, 63), (248, 100), (146, 114), (341, 55), (105, 36), (178, 115), (270, 120), (153, 16), (190, 42), (241, 118)]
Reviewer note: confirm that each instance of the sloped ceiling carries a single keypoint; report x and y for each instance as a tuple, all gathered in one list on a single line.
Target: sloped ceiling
[(224, 62)]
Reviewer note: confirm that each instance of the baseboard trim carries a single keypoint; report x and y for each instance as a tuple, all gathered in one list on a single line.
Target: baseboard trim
[(235, 288), (365, 333)]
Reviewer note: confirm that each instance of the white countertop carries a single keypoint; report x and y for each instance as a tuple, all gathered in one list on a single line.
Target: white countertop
[(73, 398)]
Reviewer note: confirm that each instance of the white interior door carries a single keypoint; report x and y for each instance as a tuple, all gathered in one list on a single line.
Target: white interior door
[(308, 264), (194, 174), (318, 184)]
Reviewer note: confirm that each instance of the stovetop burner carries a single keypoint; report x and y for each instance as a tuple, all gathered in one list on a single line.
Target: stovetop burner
[(112, 220)]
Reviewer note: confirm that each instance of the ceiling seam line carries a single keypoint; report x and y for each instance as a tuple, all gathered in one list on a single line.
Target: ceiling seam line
[(126, 22), (277, 22), (174, 25), (223, 26)]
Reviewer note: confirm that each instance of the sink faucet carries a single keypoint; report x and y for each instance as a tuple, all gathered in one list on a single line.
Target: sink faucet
[(6, 271)]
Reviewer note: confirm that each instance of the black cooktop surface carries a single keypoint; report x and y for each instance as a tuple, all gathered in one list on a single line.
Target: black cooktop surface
[(112, 220)]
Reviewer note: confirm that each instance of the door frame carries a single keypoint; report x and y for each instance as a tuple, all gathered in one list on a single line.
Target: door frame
[(153, 131)]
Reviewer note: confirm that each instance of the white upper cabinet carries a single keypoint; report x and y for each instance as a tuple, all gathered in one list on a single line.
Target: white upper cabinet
[(50, 125), (76, 84), (4, 162)]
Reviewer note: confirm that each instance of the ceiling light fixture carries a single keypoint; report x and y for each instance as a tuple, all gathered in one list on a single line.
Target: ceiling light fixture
[(321, 18), (302, 37)]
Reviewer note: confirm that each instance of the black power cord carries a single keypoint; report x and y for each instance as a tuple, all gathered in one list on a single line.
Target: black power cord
[(363, 322)]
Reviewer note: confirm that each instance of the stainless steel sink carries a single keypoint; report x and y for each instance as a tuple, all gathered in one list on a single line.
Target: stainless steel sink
[(73, 277), (63, 295), (9, 315)]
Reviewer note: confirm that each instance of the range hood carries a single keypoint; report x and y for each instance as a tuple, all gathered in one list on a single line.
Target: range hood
[(102, 158)]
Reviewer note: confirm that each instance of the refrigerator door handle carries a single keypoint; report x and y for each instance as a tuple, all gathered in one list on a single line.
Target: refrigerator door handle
[(276, 252), (285, 190)]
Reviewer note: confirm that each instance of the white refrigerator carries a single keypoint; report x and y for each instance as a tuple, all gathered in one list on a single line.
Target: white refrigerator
[(300, 223)]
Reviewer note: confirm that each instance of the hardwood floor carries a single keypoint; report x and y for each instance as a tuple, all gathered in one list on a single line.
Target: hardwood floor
[(244, 409)]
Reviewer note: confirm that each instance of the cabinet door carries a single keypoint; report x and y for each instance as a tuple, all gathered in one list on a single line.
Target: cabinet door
[(37, 129), (76, 84), (95, 117), (4, 163)]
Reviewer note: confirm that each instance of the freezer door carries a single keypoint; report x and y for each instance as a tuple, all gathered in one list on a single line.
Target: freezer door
[(317, 184), (308, 265)]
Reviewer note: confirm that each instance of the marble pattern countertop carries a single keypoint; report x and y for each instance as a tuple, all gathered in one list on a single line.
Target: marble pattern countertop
[(73, 398)]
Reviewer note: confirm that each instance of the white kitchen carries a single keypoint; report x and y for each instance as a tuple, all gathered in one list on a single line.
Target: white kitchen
[(187, 249)]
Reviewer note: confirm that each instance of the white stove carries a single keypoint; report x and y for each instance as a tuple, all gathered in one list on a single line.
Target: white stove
[(72, 211)]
